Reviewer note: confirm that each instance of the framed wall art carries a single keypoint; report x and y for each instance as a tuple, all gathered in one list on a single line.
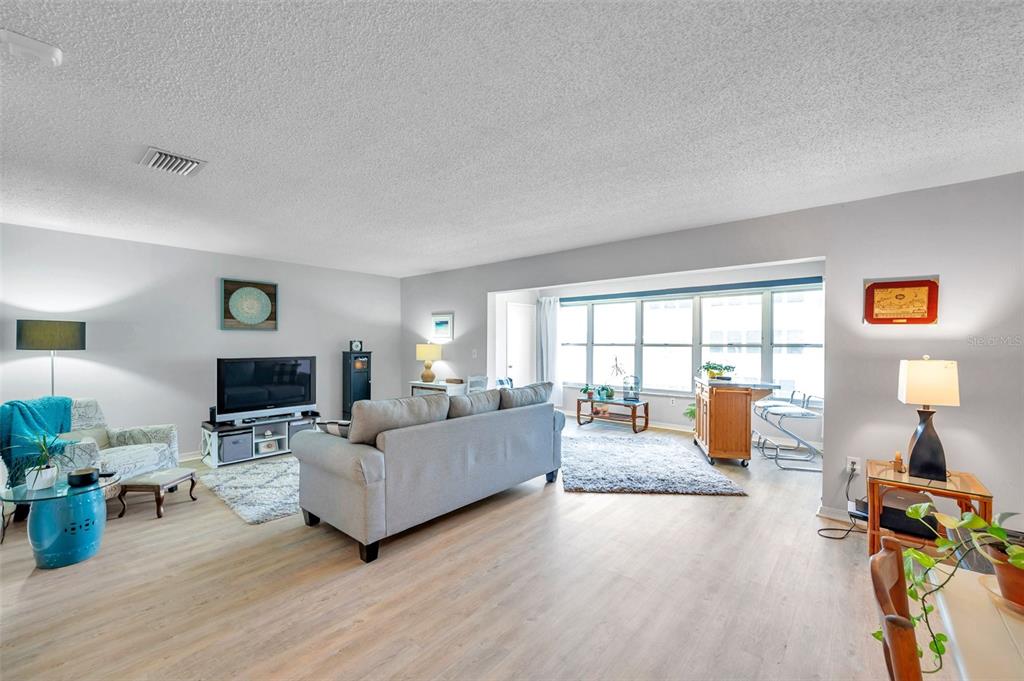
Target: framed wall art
[(442, 326), (248, 305), (901, 301)]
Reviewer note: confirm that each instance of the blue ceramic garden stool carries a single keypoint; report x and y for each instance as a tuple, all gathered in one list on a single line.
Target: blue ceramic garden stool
[(68, 529)]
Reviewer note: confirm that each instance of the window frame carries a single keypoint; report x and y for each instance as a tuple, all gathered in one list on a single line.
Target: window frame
[(767, 345)]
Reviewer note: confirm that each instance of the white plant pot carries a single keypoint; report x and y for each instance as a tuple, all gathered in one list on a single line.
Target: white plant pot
[(41, 478)]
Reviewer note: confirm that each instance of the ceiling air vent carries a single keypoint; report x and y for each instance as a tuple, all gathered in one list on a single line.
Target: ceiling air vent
[(159, 159)]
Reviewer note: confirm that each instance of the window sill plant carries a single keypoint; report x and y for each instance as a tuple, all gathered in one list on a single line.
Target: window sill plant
[(715, 370), (989, 540)]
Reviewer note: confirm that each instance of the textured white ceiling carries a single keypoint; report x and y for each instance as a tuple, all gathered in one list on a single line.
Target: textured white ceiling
[(406, 138)]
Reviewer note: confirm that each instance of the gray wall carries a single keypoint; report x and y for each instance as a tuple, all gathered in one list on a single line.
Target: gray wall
[(154, 332), (970, 234)]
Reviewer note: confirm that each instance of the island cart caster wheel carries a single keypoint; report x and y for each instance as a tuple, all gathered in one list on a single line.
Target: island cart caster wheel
[(745, 463)]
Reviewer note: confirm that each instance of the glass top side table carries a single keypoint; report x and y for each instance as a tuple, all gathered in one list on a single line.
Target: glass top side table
[(65, 524)]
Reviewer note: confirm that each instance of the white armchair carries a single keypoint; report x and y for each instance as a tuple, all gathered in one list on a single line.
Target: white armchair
[(126, 451)]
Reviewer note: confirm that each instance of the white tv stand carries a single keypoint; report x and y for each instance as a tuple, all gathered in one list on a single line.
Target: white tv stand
[(231, 442)]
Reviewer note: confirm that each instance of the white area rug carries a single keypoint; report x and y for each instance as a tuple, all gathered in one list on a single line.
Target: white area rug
[(259, 491), (603, 460)]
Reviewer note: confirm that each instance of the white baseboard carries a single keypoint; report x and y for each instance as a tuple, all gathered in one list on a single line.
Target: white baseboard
[(833, 514), (190, 456)]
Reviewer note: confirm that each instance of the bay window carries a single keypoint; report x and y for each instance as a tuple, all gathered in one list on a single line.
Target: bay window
[(772, 334)]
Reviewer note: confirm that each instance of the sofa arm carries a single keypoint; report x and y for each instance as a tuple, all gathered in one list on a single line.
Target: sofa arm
[(84, 452), (143, 435), (559, 421), (359, 463)]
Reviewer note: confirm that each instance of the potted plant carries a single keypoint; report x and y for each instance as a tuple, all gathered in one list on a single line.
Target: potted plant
[(605, 392), (989, 540), (691, 411), (716, 370), (41, 471), (587, 390)]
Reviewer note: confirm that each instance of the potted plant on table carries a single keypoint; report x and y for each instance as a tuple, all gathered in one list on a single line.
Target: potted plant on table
[(990, 540), (715, 370), (587, 390), (605, 392), (41, 470)]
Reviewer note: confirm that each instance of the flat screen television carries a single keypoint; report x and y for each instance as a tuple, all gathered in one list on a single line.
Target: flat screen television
[(251, 387)]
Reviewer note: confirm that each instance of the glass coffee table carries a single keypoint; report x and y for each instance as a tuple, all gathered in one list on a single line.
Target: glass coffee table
[(603, 414), (65, 524)]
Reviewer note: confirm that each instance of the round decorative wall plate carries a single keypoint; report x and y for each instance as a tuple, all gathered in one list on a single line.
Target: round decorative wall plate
[(249, 305)]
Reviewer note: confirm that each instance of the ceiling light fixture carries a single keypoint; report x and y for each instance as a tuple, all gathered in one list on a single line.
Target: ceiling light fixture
[(22, 46)]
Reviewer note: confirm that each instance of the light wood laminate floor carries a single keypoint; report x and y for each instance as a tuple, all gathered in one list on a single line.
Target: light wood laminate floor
[(532, 583)]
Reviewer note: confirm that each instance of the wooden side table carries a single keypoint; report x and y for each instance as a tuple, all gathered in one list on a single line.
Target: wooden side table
[(962, 487), (157, 484), (630, 418)]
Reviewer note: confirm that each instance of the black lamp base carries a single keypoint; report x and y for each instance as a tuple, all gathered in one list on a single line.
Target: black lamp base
[(927, 458)]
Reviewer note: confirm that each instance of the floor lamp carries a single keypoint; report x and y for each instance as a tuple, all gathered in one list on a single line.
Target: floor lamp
[(42, 334)]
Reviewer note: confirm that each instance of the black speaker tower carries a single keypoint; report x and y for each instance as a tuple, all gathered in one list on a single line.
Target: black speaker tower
[(355, 380)]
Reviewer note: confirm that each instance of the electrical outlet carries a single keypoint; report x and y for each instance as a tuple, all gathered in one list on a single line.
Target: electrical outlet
[(852, 464), (672, 401)]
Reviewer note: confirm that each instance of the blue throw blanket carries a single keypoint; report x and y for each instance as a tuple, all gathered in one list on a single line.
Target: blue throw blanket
[(22, 421)]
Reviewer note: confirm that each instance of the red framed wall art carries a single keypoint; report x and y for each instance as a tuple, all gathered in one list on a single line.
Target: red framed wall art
[(910, 301)]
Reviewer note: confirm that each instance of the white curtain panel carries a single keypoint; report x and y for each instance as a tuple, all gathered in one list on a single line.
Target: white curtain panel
[(547, 345)]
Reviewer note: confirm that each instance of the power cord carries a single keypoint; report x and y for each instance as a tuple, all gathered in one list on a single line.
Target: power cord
[(839, 533)]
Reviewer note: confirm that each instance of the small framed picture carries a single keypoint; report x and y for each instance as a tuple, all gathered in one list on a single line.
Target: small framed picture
[(248, 305), (901, 301), (442, 325)]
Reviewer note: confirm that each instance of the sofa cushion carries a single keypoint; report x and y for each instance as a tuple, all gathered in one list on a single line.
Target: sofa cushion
[(538, 393), (132, 460), (474, 403), (97, 435), (371, 417)]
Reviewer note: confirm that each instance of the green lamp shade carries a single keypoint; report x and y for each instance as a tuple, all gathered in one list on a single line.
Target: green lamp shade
[(41, 334)]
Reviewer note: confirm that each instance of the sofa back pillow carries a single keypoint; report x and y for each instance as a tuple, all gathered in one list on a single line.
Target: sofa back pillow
[(538, 393), (98, 435), (335, 428), (474, 403), (371, 417)]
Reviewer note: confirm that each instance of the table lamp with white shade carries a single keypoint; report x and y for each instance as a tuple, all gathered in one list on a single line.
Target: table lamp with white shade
[(930, 383), (428, 353)]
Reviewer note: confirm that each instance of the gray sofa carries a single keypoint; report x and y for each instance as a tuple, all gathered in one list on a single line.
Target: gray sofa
[(413, 473)]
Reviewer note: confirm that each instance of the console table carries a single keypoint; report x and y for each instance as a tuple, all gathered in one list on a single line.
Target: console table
[(962, 487), (440, 387), (630, 418)]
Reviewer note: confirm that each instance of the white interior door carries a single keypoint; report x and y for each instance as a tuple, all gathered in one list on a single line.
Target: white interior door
[(521, 343)]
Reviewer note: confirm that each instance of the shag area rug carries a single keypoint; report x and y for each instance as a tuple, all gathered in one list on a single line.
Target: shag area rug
[(259, 491), (645, 463)]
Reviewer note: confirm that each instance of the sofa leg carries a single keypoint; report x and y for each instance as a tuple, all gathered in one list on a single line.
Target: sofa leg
[(309, 518), (369, 552), (552, 476)]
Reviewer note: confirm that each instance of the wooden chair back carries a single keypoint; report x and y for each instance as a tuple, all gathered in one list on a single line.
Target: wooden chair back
[(898, 639)]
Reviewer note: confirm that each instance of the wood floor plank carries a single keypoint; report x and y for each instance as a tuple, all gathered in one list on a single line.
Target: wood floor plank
[(531, 583)]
